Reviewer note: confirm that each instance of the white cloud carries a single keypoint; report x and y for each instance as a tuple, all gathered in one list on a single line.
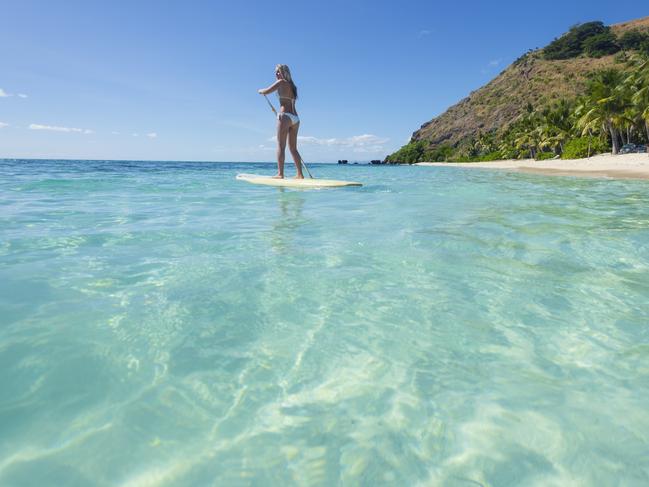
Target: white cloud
[(356, 143), (55, 128), (152, 135), (115, 133), (3, 125), (423, 33), (4, 94), (490, 65), (135, 135), (365, 139)]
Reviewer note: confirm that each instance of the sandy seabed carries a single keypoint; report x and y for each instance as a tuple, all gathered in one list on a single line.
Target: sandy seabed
[(626, 166)]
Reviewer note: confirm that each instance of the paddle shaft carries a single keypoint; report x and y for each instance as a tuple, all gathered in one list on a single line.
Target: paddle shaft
[(301, 160)]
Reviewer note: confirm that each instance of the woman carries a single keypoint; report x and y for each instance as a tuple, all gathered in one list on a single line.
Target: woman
[(288, 123)]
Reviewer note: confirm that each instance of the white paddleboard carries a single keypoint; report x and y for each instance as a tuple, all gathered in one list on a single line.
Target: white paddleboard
[(295, 183)]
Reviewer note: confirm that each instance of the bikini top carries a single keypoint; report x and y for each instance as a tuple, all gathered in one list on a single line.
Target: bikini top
[(287, 98)]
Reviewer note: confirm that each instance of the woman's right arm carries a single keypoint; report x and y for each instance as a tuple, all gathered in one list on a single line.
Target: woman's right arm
[(271, 88)]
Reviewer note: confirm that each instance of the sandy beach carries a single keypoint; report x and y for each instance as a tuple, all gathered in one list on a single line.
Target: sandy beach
[(626, 166)]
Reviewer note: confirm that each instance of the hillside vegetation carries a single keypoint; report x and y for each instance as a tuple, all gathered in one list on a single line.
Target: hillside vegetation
[(545, 93)]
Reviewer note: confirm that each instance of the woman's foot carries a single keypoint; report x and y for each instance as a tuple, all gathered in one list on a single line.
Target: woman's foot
[(299, 176), (278, 176)]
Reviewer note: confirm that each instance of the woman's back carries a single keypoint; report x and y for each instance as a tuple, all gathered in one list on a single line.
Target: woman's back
[(286, 97)]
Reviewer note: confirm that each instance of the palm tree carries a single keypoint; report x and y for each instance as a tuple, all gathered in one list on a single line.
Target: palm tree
[(604, 106), (528, 135), (626, 119), (486, 142), (556, 126), (640, 97), (506, 146), (585, 126)]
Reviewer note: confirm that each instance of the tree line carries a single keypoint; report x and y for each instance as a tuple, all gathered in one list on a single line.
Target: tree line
[(594, 39)]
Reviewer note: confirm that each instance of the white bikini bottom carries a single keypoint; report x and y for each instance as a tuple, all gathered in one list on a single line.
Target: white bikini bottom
[(294, 118)]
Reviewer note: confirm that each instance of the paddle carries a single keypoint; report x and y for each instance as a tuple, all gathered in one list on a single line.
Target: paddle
[(301, 160)]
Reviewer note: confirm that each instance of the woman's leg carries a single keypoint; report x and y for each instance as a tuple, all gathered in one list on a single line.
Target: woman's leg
[(283, 124), (292, 145)]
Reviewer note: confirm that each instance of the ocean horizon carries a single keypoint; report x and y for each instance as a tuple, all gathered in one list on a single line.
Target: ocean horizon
[(289, 165), (163, 324)]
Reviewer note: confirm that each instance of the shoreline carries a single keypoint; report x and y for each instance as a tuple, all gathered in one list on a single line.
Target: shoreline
[(624, 166)]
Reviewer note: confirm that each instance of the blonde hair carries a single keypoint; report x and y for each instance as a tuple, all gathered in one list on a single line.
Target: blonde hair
[(286, 75)]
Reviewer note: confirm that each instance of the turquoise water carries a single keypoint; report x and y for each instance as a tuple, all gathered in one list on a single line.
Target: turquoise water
[(162, 324)]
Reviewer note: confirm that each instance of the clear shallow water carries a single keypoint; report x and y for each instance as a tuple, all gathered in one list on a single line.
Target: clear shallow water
[(163, 324)]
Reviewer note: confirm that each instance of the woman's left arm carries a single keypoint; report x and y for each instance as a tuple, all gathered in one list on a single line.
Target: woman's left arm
[(271, 88)]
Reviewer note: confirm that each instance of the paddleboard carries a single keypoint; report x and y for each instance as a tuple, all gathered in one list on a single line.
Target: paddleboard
[(306, 183)]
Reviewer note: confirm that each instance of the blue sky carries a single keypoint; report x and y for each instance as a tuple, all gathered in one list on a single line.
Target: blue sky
[(178, 80)]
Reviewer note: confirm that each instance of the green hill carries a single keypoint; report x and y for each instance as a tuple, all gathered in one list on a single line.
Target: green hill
[(535, 81)]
